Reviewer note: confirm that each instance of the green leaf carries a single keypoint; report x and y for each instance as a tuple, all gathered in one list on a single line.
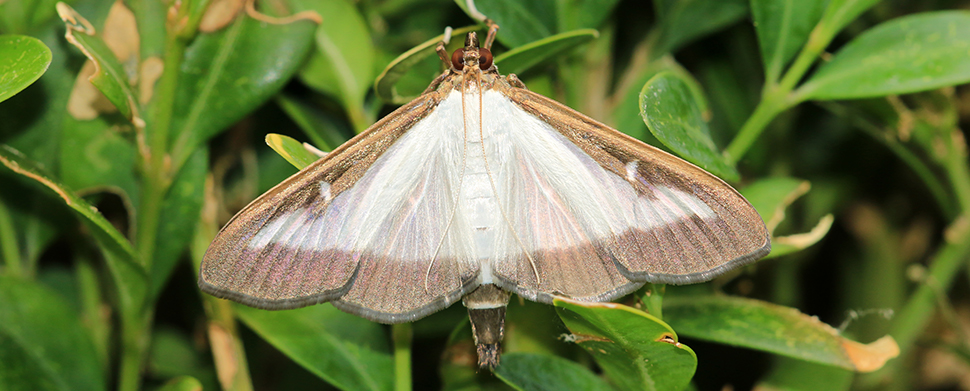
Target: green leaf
[(840, 13), (228, 73), (323, 130), (151, 16), (291, 150), (582, 14), (788, 374), (95, 156), (522, 58), (524, 371), (384, 86), (783, 27), (636, 350), (22, 61), (183, 383), (347, 351), (670, 111), (770, 197), (342, 63), (909, 54), (627, 112), (32, 120), (129, 277), (109, 75), (682, 21), (520, 22), (43, 345), (775, 329), (181, 209)]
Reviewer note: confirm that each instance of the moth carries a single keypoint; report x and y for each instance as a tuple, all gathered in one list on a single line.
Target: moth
[(475, 190)]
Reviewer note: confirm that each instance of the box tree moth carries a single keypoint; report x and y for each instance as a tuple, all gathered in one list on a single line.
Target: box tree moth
[(475, 190)]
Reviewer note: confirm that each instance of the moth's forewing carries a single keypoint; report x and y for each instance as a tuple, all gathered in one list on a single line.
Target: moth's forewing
[(294, 246)]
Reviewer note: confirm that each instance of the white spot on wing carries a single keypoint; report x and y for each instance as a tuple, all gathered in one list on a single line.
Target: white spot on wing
[(325, 191)]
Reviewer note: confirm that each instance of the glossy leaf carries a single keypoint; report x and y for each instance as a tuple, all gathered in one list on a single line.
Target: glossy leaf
[(522, 58), (128, 276), (32, 120), (775, 329), (520, 22), (636, 350), (180, 209), (771, 197), (43, 345), (524, 371), (291, 150), (682, 21), (674, 117), (909, 54), (109, 76), (627, 112), (228, 73), (783, 27), (320, 127), (384, 86), (22, 61), (349, 352), (342, 62)]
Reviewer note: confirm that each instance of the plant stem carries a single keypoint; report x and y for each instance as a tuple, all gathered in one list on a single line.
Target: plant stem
[(911, 320), (401, 334), (9, 249), (157, 175), (134, 345), (777, 98), (766, 111), (956, 167)]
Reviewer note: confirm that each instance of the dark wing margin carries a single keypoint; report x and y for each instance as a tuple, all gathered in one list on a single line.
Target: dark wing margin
[(266, 256), (672, 244)]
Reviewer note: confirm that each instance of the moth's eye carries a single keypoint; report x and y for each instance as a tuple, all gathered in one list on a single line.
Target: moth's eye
[(484, 59), (457, 59)]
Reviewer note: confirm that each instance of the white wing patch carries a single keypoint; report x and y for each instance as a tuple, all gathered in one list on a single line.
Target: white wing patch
[(551, 189)]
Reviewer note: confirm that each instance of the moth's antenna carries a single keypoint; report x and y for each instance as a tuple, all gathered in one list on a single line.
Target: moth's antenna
[(474, 13), (464, 157)]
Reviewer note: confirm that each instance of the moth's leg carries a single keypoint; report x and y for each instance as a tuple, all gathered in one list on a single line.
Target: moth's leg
[(492, 31), (515, 82)]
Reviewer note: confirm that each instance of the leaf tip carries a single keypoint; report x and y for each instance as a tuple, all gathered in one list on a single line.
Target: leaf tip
[(872, 356)]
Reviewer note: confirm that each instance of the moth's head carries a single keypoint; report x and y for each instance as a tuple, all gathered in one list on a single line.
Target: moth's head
[(471, 55)]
